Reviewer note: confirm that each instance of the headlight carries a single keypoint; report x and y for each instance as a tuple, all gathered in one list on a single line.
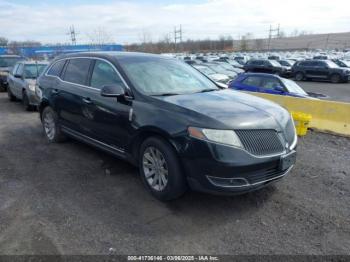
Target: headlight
[(225, 137), (31, 87), (3, 73)]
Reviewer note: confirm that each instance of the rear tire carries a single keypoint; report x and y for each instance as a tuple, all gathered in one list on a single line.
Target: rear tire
[(335, 78), (160, 169), (299, 76), (51, 126), (10, 95)]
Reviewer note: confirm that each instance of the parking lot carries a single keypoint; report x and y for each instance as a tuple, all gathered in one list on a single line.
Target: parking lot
[(72, 199), (334, 92)]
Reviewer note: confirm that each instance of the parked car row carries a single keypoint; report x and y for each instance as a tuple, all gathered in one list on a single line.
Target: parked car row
[(332, 67), (22, 83), (182, 129)]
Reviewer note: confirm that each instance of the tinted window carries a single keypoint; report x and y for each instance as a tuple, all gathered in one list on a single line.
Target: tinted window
[(77, 71), (104, 74), (56, 69), (270, 83), (252, 81)]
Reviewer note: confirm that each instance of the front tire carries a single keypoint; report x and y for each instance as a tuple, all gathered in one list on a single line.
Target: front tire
[(299, 76), (335, 78), (51, 127), (160, 169)]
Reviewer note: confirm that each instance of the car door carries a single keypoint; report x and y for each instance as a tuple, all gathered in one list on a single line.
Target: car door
[(272, 85), (69, 94), (322, 69), (108, 117)]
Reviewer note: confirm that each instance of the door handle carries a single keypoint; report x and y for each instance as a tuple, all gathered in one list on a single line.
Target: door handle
[(55, 91), (87, 100)]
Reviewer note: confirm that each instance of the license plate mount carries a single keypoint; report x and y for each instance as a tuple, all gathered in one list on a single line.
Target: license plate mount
[(288, 160)]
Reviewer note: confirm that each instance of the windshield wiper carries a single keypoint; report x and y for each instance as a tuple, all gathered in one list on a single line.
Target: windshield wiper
[(166, 94), (207, 90)]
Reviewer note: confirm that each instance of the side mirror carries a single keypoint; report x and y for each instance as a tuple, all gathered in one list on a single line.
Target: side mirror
[(17, 76), (279, 88), (112, 91)]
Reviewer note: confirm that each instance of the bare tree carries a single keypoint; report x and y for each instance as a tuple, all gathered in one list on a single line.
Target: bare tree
[(259, 44), (3, 41), (99, 36)]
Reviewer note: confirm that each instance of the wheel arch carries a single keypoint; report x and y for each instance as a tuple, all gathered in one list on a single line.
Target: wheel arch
[(146, 132)]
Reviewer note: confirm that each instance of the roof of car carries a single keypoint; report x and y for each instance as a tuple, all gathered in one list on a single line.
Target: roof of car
[(261, 74), (35, 62), (11, 56), (111, 54)]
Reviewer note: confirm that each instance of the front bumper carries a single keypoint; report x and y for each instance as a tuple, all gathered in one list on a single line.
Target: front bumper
[(33, 98), (220, 169)]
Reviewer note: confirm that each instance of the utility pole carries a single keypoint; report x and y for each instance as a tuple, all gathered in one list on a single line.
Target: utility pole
[(177, 36), (272, 34), (73, 35)]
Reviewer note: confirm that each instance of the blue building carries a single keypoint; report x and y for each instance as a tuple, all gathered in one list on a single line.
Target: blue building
[(52, 51)]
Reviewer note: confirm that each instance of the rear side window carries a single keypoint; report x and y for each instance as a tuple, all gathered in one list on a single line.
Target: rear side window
[(56, 69), (104, 74), (77, 71), (252, 81)]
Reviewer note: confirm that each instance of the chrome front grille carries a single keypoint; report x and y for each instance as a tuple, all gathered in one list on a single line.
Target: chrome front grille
[(260, 142)]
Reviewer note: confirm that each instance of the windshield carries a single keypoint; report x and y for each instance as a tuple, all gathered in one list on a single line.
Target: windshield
[(159, 76), (274, 63), (9, 61), (293, 87), (205, 70), (346, 63), (33, 70), (331, 64), (285, 63)]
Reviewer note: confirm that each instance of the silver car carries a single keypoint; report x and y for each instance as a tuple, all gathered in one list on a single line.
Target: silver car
[(22, 81)]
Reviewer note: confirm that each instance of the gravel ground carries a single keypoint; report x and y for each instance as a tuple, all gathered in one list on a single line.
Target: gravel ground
[(72, 199), (336, 92)]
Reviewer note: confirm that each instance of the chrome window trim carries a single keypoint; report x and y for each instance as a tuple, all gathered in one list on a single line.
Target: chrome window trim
[(85, 86)]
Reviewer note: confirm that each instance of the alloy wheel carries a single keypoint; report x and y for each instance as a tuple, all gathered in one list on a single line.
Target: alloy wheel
[(49, 125), (155, 168)]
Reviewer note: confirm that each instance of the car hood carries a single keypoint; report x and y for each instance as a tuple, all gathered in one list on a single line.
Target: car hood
[(219, 77), (230, 109)]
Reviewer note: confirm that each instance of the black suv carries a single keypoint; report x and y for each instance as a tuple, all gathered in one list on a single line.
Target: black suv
[(164, 116), (265, 66), (321, 70)]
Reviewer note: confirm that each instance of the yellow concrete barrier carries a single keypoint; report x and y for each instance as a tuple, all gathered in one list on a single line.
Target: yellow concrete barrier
[(327, 116)]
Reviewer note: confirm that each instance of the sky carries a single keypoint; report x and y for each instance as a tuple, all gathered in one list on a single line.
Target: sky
[(126, 22)]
